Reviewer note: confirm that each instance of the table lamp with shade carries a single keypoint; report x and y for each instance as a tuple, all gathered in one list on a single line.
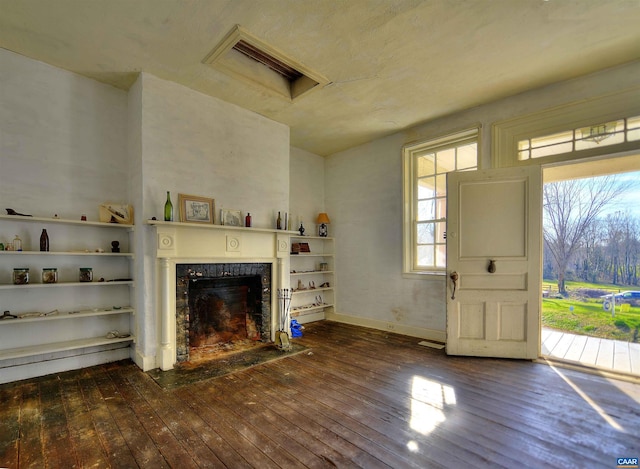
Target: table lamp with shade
[(323, 221)]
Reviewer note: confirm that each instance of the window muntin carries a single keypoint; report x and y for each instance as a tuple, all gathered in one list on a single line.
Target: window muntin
[(426, 168), (583, 138)]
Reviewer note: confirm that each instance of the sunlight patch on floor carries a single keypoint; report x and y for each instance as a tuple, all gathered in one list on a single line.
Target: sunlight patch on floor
[(606, 417), (429, 400)]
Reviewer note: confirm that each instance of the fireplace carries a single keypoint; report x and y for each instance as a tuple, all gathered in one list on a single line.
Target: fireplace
[(187, 251), (221, 308)]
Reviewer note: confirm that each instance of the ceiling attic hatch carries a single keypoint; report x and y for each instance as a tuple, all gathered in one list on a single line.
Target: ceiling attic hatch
[(244, 56)]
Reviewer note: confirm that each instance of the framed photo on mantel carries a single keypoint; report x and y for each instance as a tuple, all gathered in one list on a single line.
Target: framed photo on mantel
[(195, 209), (230, 217)]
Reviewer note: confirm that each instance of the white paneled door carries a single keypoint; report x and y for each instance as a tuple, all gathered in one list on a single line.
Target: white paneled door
[(494, 230)]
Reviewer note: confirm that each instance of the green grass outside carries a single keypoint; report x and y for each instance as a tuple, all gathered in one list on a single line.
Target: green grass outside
[(585, 316)]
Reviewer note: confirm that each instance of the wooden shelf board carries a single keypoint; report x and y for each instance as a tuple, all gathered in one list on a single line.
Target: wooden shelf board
[(60, 347), (308, 254), (311, 290), (313, 272), (65, 253), (65, 284), (67, 315), (63, 221), (311, 308)]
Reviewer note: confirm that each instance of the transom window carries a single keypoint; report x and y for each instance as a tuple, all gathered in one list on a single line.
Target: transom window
[(426, 166), (584, 138)]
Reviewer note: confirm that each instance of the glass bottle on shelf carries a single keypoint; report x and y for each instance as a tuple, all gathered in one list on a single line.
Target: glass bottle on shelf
[(168, 208), (17, 243), (279, 222), (247, 220), (44, 241)]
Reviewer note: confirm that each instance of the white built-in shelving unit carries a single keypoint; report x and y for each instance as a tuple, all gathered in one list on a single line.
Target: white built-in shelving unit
[(64, 325), (313, 287)]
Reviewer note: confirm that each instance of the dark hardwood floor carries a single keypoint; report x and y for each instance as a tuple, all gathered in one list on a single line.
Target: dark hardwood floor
[(356, 398)]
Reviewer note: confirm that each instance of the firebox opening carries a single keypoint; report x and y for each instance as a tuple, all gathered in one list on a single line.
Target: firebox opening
[(225, 308)]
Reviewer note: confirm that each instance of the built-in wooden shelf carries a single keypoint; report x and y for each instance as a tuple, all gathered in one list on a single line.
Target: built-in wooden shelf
[(63, 221), (311, 290), (303, 308), (66, 253), (65, 284), (86, 313), (32, 350), (312, 272)]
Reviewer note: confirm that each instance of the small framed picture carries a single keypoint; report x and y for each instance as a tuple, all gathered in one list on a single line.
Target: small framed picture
[(230, 217), (194, 209)]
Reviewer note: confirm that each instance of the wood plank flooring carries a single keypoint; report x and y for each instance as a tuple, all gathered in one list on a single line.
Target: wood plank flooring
[(611, 355), (356, 398)]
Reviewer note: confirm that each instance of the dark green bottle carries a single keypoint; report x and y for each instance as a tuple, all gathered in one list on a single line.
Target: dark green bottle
[(168, 208)]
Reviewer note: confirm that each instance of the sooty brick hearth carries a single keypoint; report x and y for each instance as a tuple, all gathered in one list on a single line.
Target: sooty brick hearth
[(221, 307)]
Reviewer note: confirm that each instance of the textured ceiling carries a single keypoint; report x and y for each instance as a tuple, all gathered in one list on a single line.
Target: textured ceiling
[(391, 63)]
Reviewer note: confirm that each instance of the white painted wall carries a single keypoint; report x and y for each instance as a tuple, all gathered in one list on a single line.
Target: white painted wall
[(62, 140), (364, 197), (306, 193), (198, 145)]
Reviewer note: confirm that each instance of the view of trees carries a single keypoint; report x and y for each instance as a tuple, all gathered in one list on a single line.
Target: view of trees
[(580, 242)]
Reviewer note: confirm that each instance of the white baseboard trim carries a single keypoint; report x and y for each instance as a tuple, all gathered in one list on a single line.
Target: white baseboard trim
[(395, 327)]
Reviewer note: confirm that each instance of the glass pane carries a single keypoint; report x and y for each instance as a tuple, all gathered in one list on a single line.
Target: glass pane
[(599, 131), (425, 256), (441, 185), (524, 155), (554, 150), (446, 161), (468, 156), (554, 139), (440, 229), (441, 255), (633, 135), (426, 210), (633, 123), (441, 208), (426, 165), (426, 188), (601, 141), (523, 144), (425, 233)]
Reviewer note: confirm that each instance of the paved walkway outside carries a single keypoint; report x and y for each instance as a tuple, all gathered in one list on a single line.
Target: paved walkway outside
[(605, 354)]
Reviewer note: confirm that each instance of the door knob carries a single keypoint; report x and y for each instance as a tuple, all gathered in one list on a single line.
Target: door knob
[(454, 278)]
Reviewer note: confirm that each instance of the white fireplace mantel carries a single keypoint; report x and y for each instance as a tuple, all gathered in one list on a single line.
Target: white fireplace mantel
[(180, 243)]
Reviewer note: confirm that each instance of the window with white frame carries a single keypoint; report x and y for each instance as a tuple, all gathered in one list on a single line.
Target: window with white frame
[(426, 165), (584, 138)]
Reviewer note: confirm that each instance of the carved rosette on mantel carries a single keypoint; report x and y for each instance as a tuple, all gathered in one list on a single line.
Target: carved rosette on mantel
[(187, 243)]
